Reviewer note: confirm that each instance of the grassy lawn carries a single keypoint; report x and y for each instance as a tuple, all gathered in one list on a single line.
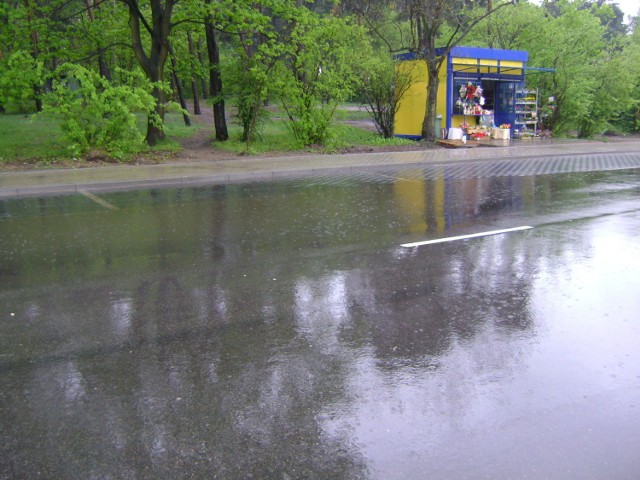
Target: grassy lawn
[(39, 140), (25, 138), (28, 138), (351, 114), (275, 137), (174, 126)]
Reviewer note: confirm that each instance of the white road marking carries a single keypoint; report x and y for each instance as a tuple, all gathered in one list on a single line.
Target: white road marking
[(97, 199), (464, 237)]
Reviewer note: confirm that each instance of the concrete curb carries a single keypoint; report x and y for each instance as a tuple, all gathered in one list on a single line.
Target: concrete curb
[(108, 179)]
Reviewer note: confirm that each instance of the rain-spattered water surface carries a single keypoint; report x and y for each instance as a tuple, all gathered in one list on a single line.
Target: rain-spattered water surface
[(280, 330)]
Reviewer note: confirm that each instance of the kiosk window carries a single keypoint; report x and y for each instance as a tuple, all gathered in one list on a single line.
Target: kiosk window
[(473, 97)]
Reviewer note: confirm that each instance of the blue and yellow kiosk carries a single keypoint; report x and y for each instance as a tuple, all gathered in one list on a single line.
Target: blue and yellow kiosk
[(477, 88)]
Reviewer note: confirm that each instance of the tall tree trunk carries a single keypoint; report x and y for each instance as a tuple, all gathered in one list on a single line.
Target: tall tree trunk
[(429, 123), (489, 29), (203, 81), (35, 51), (153, 63), (102, 61), (155, 123), (179, 89), (38, 93), (194, 84), (215, 78), (196, 97), (103, 66)]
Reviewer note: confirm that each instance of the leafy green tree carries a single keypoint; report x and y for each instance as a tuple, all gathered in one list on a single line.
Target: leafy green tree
[(627, 117), (611, 17), (195, 73), (572, 42), (20, 79), (510, 27), (92, 9), (259, 34), (321, 70), (176, 83), (388, 28), (63, 31), (608, 95), (27, 28)]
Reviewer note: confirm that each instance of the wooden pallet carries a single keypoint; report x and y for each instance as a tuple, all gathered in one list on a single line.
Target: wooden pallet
[(458, 144)]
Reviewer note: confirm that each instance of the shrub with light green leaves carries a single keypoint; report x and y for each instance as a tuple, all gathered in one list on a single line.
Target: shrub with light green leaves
[(96, 114)]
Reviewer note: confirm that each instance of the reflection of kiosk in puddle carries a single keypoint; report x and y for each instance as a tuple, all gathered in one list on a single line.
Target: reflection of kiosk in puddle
[(435, 205), (476, 95)]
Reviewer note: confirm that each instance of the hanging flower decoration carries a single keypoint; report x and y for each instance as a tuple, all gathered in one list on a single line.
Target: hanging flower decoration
[(471, 91)]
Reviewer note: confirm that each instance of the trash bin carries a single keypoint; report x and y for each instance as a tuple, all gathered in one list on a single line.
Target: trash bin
[(438, 126)]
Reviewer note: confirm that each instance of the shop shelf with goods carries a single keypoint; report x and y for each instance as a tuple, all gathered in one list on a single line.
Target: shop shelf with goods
[(473, 109), (526, 121)]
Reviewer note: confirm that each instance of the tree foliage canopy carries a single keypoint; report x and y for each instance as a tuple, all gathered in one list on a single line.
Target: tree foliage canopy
[(308, 56)]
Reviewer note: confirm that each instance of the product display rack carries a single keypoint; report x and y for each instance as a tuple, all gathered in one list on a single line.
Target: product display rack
[(526, 122)]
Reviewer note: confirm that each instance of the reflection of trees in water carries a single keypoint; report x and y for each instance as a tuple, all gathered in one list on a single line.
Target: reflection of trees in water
[(419, 302), (229, 397), (415, 303)]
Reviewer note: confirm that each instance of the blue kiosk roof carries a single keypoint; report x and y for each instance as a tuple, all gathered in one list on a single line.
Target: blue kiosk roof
[(476, 52)]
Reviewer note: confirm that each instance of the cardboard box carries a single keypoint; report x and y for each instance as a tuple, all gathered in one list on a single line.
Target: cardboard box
[(501, 133)]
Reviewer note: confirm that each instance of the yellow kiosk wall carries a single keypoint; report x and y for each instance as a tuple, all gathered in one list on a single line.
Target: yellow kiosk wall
[(413, 105)]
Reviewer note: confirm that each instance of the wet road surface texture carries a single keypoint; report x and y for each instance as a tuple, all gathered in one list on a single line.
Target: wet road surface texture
[(280, 330)]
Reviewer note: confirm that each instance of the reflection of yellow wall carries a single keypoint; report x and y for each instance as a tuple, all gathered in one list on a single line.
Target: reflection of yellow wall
[(422, 209), (411, 201), (410, 115)]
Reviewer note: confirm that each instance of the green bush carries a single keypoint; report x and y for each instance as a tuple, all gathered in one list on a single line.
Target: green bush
[(250, 111), (97, 115), (310, 120)]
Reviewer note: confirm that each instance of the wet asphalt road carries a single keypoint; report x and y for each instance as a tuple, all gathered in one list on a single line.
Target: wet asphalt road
[(280, 330)]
